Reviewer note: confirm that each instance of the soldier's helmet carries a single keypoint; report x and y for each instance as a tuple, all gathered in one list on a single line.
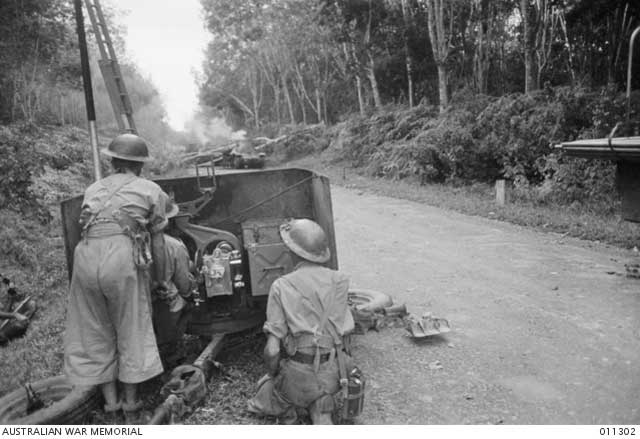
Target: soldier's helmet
[(128, 147), (306, 239)]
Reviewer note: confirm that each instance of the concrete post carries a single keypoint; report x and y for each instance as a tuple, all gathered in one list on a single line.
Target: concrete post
[(501, 192)]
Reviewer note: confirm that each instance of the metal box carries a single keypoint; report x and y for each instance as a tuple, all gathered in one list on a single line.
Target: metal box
[(268, 257)]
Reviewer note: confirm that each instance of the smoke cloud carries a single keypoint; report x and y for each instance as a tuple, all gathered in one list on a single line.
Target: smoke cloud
[(212, 131)]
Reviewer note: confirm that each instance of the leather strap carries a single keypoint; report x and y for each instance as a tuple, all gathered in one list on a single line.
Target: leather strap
[(106, 201)]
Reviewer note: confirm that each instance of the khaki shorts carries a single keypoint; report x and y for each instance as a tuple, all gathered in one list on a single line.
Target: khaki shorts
[(297, 385)]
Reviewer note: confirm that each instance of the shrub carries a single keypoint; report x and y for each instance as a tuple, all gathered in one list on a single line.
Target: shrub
[(481, 138), (18, 161), (18, 239)]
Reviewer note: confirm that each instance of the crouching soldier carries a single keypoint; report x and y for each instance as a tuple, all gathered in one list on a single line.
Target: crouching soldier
[(307, 312), (170, 309)]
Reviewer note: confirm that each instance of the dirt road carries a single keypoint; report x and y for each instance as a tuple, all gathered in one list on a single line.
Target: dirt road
[(542, 334)]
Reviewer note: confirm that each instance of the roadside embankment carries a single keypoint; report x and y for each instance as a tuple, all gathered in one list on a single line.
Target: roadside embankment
[(453, 159), (41, 167)]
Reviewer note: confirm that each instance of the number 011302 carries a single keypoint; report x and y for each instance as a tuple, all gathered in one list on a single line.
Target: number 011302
[(617, 431)]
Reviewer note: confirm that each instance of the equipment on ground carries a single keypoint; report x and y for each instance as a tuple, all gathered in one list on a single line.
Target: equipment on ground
[(426, 326), (11, 328)]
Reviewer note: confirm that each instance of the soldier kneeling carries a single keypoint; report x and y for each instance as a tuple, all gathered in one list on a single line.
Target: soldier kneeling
[(307, 312)]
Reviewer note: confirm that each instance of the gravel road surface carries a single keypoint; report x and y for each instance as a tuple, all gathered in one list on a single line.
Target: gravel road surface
[(546, 329)]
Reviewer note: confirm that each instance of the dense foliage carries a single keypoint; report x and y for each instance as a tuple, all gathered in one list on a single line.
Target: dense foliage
[(481, 139)]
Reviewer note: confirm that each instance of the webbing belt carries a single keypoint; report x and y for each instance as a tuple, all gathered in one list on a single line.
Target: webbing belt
[(301, 357), (101, 229)]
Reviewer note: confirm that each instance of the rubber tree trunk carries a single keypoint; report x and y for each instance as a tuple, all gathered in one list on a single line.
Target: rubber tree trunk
[(443, 93), (276, 91), (371, 74), (360, 97), (324, 109), (407, 54), (287, 97), (303, 108), (256, 114), (526, 10), (319, 105), (481, 56), (440, 40), (409, 76)]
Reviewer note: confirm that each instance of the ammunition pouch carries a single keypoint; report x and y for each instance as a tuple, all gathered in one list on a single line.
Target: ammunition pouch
[(349, 400), (140, 239)]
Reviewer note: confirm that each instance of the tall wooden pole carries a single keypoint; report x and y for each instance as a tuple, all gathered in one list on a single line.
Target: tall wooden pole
[(88, 90)]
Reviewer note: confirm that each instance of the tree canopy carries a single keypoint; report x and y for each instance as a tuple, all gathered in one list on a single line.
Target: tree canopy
[(293, 61)]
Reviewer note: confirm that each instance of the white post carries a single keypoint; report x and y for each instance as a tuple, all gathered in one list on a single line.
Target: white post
[(501, 192)]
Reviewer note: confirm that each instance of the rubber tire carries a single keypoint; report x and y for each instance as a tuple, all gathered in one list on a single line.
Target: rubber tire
[(369, 300), (71, 406)]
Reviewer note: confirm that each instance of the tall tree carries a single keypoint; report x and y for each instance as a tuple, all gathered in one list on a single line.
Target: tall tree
[(440, 36), (408, 24), (529, 30)]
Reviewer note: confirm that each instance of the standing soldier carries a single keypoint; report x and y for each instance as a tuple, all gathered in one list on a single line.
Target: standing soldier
[(109, 334), (307, 311)]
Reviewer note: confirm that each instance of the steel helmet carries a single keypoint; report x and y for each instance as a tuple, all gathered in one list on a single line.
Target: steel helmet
[(128, 147), (306, 239)]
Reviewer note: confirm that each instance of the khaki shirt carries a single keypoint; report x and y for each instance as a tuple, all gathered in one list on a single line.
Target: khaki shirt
[(142, 199), (177, 265), (292, 307)]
